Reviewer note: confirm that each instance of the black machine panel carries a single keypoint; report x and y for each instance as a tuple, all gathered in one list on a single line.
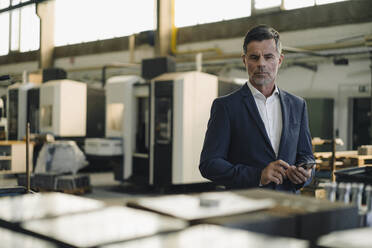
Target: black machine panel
[(156, 66), (163, 133), (96, 112), (13, 115), (53, 74), (33, 109)]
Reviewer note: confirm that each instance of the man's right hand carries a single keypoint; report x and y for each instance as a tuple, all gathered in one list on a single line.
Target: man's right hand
[(274, 172)]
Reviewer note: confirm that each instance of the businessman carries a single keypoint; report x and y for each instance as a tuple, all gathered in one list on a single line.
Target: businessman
[(258, 135)]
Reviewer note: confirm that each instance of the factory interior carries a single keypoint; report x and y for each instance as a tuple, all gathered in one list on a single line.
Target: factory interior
[(105, 105)]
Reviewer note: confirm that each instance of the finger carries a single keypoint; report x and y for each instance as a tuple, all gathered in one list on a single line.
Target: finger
[(278, 176), (273, 176), (299, 173), (290, 177), (283, 164), (305, 173), (294, 179), (296, 175), (281, 170), (274, 179)]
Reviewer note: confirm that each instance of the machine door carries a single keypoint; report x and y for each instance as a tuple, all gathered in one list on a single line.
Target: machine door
[(13, 115), (163, 133), (140, 159), (33, 109)]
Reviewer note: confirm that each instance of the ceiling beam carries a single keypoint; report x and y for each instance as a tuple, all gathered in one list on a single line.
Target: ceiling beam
[(342, 13)]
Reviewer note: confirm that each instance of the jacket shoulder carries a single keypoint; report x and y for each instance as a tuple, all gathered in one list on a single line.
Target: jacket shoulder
[(292, 97), (231, 97)]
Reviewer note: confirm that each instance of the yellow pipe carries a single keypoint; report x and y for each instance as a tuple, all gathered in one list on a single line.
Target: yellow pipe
[(173, 30)]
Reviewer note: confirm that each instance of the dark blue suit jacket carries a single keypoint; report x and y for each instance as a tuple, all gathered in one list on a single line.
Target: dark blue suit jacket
[(237, 148)]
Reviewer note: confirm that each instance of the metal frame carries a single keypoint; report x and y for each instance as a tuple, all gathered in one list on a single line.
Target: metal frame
[(21, 5), (9, 9)]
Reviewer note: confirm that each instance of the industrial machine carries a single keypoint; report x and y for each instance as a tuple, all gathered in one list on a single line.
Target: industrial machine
[(122, 120), (180, 107), (17, 110), (164, 128), (119, 101), (63, 107), (71, 109)]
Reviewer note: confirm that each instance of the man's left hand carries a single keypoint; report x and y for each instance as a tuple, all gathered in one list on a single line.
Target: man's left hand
[(298, 175)]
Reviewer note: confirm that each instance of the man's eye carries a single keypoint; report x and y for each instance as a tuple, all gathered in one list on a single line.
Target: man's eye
[(270, 56), (254, 57)]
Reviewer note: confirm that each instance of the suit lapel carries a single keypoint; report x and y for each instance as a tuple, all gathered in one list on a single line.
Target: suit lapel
[(253, 111), (284, 102)]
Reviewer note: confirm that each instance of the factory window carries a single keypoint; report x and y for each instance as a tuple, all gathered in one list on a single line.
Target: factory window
[(4, 27), (319, 2), (29, 29), (79, 21), (265, 4), (15, 16), (193, 12), (20, 28), (295, 4)]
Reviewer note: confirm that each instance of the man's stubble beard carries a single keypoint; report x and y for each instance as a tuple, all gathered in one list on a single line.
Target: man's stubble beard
[(262, 82)]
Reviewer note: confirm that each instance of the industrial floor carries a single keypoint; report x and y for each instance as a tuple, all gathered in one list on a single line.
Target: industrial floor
[(104, 188), (112, 192)]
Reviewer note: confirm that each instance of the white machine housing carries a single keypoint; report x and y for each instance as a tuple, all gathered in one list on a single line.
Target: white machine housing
[(120, 115), (19, 118), (103, 147), (192, 94), (63, 108)]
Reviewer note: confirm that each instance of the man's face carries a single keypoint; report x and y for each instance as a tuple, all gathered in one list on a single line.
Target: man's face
[(262, 62)]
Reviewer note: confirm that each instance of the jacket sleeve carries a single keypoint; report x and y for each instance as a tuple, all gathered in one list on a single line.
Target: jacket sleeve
[(304, 146), (213, 161)]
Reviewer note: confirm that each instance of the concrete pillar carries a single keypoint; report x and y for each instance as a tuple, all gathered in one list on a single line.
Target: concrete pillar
[(165, 10), (45, 11)]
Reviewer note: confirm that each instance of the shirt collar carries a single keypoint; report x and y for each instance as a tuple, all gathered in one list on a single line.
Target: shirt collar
[(256, 92)]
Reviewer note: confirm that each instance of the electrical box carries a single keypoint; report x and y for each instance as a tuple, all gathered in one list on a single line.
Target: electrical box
[(13, 157)]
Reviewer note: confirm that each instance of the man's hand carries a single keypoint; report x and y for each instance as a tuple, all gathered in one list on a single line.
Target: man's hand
[(274, 172), (298, 175)]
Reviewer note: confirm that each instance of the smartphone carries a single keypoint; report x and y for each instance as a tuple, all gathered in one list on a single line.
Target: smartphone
[(307, 165)]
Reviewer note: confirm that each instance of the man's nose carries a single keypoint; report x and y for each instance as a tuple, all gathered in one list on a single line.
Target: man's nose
[(261, 61)]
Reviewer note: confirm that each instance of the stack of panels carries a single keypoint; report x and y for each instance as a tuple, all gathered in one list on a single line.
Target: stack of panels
[(357, 238), (19, 209), (71, 182), (55, 182), (289, 215), (101, 227), (201, 236), (22, 180), (11, 239), (45, 181), (72, 221)]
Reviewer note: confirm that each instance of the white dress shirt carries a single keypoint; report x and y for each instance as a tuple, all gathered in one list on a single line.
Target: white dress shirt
[(271, 114)]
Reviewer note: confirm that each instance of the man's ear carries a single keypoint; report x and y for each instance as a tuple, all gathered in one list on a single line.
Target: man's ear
[(243, 58), (281, 58)]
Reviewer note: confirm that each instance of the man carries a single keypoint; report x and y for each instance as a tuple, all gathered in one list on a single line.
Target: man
[(258, 134)]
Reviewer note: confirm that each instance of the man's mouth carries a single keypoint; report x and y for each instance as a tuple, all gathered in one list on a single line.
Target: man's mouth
[(260, 74)]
